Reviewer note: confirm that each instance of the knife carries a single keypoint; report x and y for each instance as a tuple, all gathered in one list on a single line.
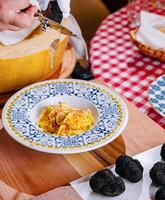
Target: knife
[(46, 22)]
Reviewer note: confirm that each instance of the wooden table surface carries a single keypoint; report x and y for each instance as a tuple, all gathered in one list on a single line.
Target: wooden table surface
[(34, 172)]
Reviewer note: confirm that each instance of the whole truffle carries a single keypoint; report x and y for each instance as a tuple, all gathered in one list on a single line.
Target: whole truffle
[(98, 180), (157, 173), (123, 159), (129, 168), (121, 162), (138, 164), (106, 183), (96, 184), (162, 153), (114, 187), (160, 194)]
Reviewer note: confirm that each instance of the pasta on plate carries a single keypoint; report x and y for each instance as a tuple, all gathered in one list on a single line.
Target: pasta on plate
[(64, 120)]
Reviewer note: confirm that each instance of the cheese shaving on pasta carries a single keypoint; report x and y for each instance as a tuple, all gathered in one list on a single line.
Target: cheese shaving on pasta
[(64, 120)]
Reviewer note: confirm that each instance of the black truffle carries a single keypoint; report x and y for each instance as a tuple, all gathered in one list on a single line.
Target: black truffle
[(114, 187), (82, 73), (162, 153), (98, 180), (96, 184), (106, 183), (160, 194), (157, 173), (123, 159), (129, 168), (138, 164)]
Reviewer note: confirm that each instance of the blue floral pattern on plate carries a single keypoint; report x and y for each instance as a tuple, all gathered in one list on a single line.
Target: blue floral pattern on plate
[(157, 95), (112, 116)]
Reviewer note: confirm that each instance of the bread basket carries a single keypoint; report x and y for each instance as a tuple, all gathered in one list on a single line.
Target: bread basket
[(148, 50)]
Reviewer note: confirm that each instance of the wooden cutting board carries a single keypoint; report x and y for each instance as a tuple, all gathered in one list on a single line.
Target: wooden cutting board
[(35, 173)]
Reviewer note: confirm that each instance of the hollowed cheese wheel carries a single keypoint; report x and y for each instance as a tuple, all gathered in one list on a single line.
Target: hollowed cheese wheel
[(31, 60)]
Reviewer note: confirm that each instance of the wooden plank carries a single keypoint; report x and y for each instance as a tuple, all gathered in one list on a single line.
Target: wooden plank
[(84, 163), (31, 171)]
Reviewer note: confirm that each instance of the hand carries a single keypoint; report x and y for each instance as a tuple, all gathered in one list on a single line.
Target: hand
[(11, 17)]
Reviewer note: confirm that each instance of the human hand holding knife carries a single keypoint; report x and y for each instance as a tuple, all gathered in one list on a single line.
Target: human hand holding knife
[(46, 22)]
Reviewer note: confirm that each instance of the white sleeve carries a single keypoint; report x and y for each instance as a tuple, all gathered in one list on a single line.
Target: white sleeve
[(35, 3), (64, 7), (43, 4)]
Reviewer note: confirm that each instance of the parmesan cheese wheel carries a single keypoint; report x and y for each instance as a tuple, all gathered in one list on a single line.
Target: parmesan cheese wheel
[(31, 60)]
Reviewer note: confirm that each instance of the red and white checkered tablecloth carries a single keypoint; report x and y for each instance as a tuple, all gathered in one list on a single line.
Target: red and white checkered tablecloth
[(116, 60)]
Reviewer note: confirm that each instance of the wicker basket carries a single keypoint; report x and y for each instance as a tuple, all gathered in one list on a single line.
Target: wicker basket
[(147, 50)]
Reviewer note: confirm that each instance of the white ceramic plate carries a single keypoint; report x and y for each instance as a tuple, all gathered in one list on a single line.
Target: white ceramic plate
[(156, 94), (22, 110)]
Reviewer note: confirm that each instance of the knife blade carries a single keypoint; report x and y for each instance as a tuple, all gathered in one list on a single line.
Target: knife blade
[(55, 25)]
